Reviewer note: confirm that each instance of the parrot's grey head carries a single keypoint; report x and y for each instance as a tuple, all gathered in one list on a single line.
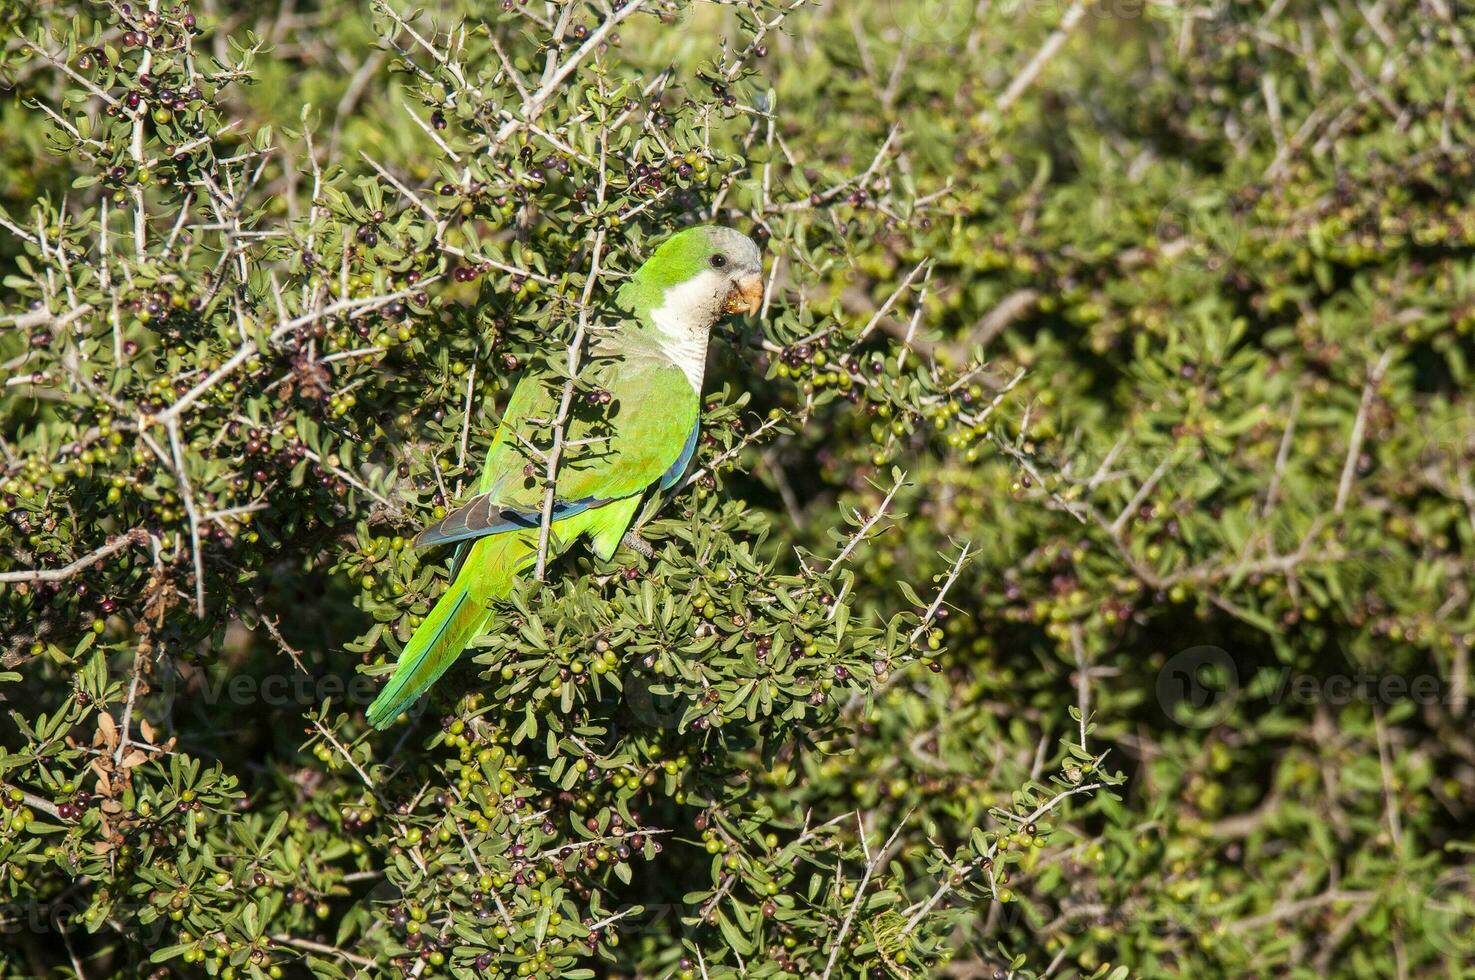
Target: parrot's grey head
[(691, 281), (739, 266), (700, 273)]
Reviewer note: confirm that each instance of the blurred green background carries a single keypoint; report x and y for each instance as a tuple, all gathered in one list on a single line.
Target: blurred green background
[(1229, 509)]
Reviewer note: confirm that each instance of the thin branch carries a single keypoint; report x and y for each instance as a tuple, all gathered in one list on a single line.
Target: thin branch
[(866, 525), (952, 576), (326, 950), (1032, 69), (1359, 428), (135, 536), (534, 106), (560, 423), (351, 307), (860, 892), (187, 494)]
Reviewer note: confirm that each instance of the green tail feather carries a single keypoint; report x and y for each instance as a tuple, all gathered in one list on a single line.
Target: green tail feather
[(486, 574), (456, 619)]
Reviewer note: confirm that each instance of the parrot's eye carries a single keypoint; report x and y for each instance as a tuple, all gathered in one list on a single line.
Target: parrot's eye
[(718, 261)]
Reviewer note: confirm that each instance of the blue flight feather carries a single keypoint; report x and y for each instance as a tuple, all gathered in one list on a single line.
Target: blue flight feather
[(512, 520), (682, 461)]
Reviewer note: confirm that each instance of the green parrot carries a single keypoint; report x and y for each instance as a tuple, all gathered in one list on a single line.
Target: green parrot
[(635, 431)]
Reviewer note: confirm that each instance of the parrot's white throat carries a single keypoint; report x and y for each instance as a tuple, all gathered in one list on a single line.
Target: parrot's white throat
[(684, 321)]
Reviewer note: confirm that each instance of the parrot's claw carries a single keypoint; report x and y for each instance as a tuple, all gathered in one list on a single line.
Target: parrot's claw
[(638, 545)]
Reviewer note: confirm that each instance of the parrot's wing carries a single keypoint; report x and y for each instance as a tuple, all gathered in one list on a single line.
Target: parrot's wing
[(613, 450), (688, 450)]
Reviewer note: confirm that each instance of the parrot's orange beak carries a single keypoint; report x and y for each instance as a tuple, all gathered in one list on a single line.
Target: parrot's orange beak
[(746, 296)]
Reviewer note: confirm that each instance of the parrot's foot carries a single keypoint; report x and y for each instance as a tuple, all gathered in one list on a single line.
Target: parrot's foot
[(638, 545)]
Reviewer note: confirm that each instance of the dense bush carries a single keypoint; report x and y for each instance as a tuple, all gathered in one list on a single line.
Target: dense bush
[(1073, 578)]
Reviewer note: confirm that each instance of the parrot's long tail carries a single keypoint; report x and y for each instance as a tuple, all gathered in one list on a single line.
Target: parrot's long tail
[(458, 617)]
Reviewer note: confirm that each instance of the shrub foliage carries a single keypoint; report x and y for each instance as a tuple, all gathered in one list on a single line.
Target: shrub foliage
[(1073, 577)]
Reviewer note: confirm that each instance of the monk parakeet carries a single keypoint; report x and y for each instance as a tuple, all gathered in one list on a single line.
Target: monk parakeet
[(635, 430)]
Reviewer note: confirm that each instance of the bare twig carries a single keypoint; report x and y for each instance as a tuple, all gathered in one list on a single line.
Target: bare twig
[(135, 536), (867, 524), (1359, 428), (323, 948), (560, 423), (860, 891), (1032, 69), (937, 600)]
